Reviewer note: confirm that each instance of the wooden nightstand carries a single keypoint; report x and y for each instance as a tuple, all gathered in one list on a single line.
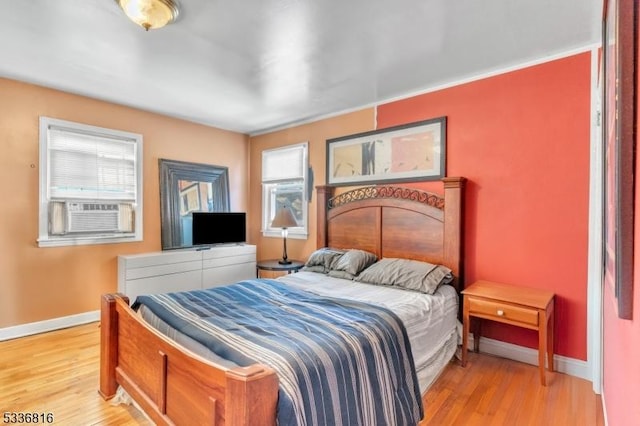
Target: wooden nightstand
[(274, 265), (521, 306)]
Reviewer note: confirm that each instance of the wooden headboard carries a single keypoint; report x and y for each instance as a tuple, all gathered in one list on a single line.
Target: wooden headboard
[(395, 221)]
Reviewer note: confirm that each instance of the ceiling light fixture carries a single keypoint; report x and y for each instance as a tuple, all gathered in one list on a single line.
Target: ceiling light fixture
[(150, 14)]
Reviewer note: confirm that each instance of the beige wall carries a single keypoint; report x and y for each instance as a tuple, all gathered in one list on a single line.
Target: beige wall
[(43, 283), (316, 134)]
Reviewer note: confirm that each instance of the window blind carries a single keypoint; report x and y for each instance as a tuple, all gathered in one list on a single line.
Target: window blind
[(89, 166), (283, 164)]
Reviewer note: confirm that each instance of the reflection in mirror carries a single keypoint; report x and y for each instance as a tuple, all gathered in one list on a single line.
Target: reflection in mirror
[(186, 188)]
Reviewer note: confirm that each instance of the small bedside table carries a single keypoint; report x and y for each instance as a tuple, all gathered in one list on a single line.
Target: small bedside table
[(520, 306), (273, 265)]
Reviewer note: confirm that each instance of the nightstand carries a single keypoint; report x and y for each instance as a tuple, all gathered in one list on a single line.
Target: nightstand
[(274, 265), (520, 306)]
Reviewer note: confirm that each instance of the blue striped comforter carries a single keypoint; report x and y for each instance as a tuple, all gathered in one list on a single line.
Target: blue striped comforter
[(339, 362)]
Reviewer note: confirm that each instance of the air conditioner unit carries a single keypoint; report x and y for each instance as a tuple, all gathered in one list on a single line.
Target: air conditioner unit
[(67, 217)]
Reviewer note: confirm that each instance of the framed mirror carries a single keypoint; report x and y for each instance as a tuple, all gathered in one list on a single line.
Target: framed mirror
[(186, 188)]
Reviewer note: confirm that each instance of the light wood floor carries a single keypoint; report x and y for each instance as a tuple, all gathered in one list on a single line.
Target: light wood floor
[(57, 373), (498, 391)]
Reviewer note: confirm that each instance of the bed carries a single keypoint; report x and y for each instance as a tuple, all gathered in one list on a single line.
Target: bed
[(177, 383)]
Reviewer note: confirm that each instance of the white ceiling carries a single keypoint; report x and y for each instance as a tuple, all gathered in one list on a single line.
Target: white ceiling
[(256, 65)]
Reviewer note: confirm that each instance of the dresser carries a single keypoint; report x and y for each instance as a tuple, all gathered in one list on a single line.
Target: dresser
[(181, 270)]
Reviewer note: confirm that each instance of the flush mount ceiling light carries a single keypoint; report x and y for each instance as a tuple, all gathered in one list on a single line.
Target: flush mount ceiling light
[(150, 14)]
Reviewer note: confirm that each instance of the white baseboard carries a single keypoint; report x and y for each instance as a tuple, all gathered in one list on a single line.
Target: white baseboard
[(22, 330), (562, 364)]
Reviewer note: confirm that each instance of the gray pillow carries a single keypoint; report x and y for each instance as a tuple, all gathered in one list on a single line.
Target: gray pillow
[(353, 261), (407, 274), (341, 274), (322, 260), (314, 268)]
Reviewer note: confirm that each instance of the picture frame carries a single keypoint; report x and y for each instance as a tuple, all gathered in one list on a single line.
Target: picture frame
[(618, 125), (407, 153)]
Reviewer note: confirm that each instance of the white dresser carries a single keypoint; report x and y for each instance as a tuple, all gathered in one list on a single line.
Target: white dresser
[(167, 271)]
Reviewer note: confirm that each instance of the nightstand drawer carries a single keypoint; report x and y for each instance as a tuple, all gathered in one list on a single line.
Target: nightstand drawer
[(501, 311)]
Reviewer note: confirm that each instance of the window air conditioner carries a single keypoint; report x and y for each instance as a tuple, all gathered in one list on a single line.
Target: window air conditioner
[(67, 217)]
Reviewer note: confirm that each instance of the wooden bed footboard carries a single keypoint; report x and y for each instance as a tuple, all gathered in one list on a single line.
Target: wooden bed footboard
[(173, 386)]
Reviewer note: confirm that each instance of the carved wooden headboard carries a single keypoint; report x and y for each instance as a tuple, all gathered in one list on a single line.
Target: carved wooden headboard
[(395, 221)]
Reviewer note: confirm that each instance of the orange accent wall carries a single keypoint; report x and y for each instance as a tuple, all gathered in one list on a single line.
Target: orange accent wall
[(522, 139), (43, 283), (621, 388)]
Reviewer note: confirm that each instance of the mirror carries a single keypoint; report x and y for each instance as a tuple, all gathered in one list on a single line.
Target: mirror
[(184, 189)]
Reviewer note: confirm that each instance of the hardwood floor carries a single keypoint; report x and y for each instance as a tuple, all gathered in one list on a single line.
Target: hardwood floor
[(498, 391), (57, 373)]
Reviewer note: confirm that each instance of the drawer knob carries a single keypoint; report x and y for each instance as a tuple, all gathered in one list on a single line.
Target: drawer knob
[(500, 312)]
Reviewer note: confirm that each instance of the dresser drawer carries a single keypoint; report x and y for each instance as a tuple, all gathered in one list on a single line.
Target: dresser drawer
[(503, 312)]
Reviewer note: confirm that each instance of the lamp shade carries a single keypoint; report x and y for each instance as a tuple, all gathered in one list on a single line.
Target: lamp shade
[(284, 219), (150, 14)]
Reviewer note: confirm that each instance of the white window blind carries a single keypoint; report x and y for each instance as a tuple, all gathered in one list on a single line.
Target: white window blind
[(91, 167), (283, 164)]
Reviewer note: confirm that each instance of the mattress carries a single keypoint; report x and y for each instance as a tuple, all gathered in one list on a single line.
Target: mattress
[(430, 320)]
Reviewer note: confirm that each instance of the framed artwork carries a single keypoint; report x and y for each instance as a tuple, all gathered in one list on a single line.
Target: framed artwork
[(411, 152), (618, 59)]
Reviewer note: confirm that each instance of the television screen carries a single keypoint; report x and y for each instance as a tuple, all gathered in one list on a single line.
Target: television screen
[(219, 228)]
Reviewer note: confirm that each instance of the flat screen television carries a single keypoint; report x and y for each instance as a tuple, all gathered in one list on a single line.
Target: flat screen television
[(219, 228)]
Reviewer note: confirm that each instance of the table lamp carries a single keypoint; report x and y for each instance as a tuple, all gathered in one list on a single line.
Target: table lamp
[(284, 219)]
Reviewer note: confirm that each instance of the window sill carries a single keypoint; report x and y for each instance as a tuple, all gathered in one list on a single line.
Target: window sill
[(82, 241), (290, 235)]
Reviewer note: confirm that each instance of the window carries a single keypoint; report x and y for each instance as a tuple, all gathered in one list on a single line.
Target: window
[(284, 183), (90, 184)]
